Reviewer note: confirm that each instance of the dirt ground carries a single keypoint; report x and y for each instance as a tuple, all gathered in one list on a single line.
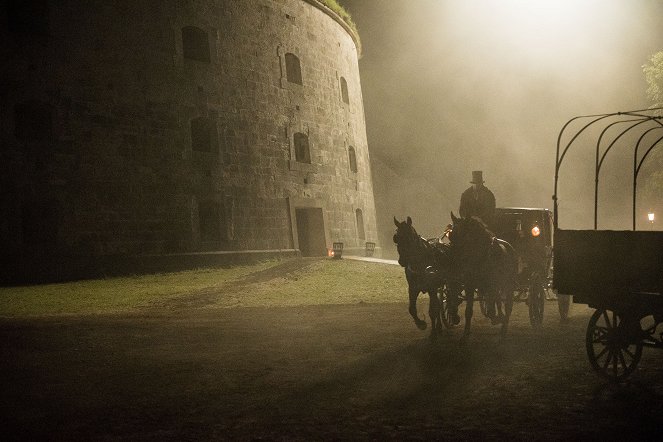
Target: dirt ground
[(349, 372)]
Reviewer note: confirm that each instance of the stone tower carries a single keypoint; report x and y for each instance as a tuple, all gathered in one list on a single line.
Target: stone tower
[(137, 127)]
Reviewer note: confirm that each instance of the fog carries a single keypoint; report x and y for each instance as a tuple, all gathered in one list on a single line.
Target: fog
[(452, 86)]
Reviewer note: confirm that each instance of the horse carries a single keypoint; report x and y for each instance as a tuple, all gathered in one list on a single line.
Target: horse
[(426, 269), (485, 263)]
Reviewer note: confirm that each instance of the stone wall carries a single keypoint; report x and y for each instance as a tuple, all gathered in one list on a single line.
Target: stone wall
[(135, 127)]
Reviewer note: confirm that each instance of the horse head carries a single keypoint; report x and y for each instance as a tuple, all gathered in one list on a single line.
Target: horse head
[(405, 238), (470, 240)]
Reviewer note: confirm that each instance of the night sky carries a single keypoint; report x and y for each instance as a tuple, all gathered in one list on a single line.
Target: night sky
[(452, 86)]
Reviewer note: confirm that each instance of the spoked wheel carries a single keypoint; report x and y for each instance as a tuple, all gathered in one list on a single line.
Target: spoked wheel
[(445, 312), (614, 346), (536, 301)]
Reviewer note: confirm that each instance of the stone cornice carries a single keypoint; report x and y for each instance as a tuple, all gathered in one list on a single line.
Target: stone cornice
[(352, 32)]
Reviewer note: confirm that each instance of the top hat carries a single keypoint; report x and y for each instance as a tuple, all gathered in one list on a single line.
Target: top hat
[(476, 177)]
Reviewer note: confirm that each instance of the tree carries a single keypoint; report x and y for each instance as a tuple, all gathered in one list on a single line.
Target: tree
[(654, 75), (652, 183)]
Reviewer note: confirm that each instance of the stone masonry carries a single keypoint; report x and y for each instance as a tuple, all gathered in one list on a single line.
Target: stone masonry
[(138, 127)]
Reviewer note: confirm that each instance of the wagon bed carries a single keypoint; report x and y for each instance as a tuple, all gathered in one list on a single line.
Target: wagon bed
[(610, 269), (619, 273)]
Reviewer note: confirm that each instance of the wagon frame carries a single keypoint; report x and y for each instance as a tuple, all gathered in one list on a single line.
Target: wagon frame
[(619, 273)]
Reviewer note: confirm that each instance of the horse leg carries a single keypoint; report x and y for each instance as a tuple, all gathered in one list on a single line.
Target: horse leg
[(453, 299), (508, 306), (414, 294), (469, 307), (493, 307), (434, 313)]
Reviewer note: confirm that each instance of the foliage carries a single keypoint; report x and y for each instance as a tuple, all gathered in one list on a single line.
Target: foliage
[(654, 76), (340, 11), (325, 281)]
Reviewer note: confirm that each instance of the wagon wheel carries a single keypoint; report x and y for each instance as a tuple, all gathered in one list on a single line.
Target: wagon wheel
[(536, 300), (614, 346), (445, 313)]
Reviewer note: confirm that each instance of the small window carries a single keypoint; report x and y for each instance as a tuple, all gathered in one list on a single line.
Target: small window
[(33, 121), (353, 159), (209, 218), (203, 135), (28, 16), (344, 91), (293, 69), (360, 224), (302, 151), (195, 44)]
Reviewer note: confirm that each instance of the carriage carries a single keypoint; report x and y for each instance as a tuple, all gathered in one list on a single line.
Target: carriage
[(618, 273), (529, 231), (524, 260)]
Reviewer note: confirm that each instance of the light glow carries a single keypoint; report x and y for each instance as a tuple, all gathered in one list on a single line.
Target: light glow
[(536, 231), (530, 29), (650, 217)]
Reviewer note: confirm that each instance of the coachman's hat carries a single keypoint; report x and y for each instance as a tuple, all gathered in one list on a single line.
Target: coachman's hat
[(477, 177)]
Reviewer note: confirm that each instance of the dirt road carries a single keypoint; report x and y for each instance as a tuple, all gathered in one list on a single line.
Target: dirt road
[(360, 372)]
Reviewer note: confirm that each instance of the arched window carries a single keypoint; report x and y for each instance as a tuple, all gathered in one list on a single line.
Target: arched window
[(293, 70), (33, 121), (360, 224), (344, 91), (302, 152), (195, 44), (203, 135), (353, 159)]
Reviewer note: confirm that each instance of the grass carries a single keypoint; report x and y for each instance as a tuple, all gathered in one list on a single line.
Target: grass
[(341, 12), (324, 282), (114, 294), (320, 282)]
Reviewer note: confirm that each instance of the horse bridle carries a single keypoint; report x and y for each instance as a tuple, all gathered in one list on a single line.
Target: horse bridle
[(408, 258)]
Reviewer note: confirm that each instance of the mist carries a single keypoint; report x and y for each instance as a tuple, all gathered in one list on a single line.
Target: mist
[(455, 86)]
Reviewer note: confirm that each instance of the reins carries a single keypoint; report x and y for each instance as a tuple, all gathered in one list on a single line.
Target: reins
[(425, 250)]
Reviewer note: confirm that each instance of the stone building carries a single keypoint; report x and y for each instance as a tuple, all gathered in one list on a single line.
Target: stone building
[(175, 127)]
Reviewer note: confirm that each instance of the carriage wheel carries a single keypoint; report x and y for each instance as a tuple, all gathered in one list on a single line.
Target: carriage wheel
[(613, 345), (536, 301), (445, 313)]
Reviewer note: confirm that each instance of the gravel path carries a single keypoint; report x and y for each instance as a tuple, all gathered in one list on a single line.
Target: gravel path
[(359, 372)]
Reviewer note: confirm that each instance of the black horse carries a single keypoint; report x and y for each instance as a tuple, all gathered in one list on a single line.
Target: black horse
[(426, 270), (485, 263)]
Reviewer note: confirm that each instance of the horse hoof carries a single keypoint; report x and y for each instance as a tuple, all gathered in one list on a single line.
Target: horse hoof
[(497, 320), (421, 325)]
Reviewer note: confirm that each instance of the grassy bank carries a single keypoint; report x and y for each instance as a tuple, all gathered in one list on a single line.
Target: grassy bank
[(271, 283)]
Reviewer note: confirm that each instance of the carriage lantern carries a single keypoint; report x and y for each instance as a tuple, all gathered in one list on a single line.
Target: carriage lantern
[(650, 217)]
